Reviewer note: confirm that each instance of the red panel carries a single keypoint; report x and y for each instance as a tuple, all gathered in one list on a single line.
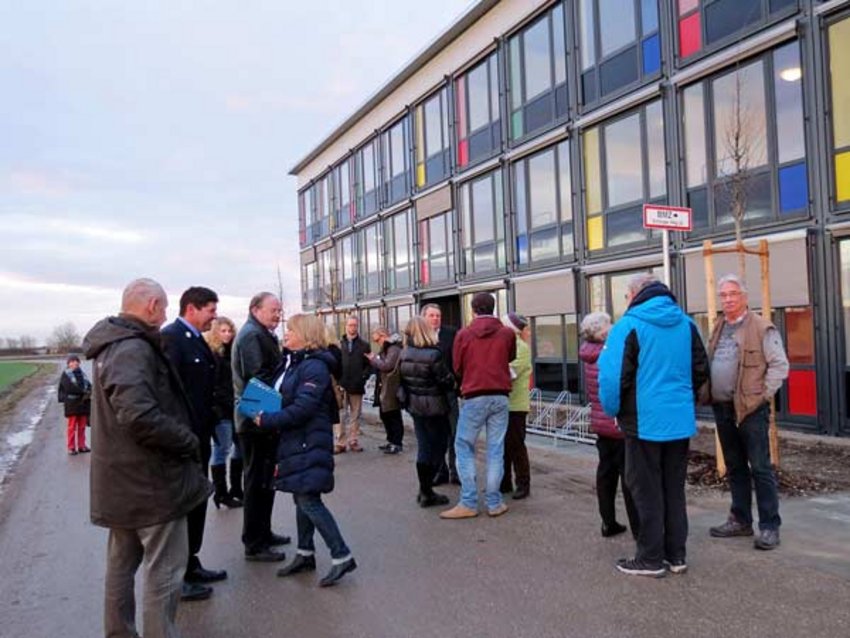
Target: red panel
[(802, 392), (690, 37), (463, 152), (424, 273)]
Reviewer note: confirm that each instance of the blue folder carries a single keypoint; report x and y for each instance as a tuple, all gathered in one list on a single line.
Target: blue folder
[(258, 397)]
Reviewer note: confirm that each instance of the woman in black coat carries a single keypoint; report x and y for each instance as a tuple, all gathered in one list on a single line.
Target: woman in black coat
[(75, 393), (425, 380), (305, 465)]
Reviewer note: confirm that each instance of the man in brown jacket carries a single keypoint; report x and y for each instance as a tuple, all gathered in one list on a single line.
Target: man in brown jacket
[(748, 366), (146, 470)]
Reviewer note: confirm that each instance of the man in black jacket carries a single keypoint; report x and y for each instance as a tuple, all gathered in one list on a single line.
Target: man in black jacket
[(256, 353), (355, 371), (195, 364)]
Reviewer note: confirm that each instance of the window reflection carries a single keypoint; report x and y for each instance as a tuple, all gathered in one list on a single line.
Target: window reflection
[(623, 161), (740, 133)]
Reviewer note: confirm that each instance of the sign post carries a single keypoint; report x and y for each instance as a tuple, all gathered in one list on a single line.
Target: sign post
[(667, 218)]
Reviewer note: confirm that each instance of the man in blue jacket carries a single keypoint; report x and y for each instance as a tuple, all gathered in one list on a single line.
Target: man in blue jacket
[(650, 373)]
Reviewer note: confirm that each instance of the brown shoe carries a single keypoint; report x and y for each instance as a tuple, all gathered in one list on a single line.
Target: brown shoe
[(458, 511), (339, 449), (498, 510)]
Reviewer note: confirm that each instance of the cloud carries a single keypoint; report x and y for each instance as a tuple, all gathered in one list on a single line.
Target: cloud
[(33, 182), (68, 227)]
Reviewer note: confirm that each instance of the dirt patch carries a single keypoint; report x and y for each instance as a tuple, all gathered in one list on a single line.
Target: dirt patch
[(808, 465)]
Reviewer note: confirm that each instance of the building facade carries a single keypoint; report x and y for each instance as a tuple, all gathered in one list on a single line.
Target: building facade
[(515, 152)]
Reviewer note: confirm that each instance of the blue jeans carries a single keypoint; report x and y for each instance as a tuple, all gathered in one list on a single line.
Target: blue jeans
[(746, 450), (489, 412), (311, 515), (221, 450)]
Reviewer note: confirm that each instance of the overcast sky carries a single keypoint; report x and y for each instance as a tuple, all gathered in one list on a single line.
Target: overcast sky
[(155, 138)]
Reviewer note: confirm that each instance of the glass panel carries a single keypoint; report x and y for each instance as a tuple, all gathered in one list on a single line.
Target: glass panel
[(368, 156), (788, 84), (624, 227), (592, 177), (845, 296), (619, 70), (544, 244), (479, 103), (493, 66), (624, 164), (538, 74), (565, 182), (687, 5), (596, 286), (548, 337), (616, 24), (543, 201), (397, 149), (695, 161), (482, 210), (725, 17), (433, 126), (559, 44), (740, 120), (649, 15), (655, 150), (588, 47), (799, 335), (839, 69), (516, 74)]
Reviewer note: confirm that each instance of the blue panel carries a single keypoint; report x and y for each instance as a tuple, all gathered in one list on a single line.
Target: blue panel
[(793, 188), (651, 55), (649, 15), (522, 249)]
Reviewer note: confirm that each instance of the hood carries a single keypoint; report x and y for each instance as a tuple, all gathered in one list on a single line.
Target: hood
[(322, 354), (589, 351), (113, 329), (485, 326), (656, 305)]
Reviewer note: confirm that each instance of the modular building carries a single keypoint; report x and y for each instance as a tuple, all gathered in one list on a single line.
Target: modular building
[(515, 152)]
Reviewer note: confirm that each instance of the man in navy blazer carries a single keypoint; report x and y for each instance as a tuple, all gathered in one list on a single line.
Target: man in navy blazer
[(196, 365)]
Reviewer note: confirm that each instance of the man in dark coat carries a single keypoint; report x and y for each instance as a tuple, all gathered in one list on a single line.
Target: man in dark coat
[(256, 353), (355, 372), (195, 363), (146, 474)]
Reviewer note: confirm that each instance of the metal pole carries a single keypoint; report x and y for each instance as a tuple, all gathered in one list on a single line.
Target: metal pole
[(665, 247)]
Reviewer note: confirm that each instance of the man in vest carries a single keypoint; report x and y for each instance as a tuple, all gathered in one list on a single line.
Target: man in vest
[(748, 366)]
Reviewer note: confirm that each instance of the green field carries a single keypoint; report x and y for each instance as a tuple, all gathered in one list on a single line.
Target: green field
[(11, 371)]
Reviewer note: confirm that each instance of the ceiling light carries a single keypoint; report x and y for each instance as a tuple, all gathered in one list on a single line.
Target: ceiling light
[(791, 74)]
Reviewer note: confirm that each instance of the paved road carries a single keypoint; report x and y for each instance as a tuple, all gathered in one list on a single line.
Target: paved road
[(541, 570)]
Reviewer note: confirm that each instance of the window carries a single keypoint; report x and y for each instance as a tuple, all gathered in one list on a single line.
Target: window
[(555, 353), (398, 316), (343, 196), (608, 291), (366, 170), (625, 166), (735, 155), (314, 211), (839, 73), (544, 214), (399, 242), (370, 319), (371, 261), (501, 307), (394, 147), (483, 224), (436, 250), (538, 74), (328, 291), (309, 285), (431, 122), (479, 133), (345, 263), (620, 46), (706, 23), (303, 207)]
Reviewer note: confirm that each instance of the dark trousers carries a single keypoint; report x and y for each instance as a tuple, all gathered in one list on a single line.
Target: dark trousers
[(393, 425), (311, 514), (259, 451), (655, 475), (610, 472), (454, 412), (431, 438), (516, 454), (746, 449), (196, 519)]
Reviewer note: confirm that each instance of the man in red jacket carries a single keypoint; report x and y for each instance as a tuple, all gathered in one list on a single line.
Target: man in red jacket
[(482, 354)]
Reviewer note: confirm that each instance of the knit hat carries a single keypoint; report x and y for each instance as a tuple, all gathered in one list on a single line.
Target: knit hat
[(514, 321), (483, 303)]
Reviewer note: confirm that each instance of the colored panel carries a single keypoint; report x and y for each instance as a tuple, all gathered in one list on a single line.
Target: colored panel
[(802, 392), (516, 125), (839, 69), (463, 152), (420, 175), (690, 38), (648, 16), (594, 233), (592, 178), (842, 176), (460, 93), (687, 5), (651, 55), (793, 187), (800, 335)]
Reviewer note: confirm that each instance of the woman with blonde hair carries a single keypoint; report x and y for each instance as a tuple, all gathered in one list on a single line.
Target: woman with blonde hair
[(425, 380)]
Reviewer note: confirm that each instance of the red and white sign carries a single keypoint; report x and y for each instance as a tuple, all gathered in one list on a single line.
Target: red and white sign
[(667, 217)]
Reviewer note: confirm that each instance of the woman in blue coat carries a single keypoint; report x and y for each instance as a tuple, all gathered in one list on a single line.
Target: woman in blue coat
[(305, 464)]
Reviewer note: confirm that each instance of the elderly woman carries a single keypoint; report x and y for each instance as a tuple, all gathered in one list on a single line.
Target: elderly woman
[(305, 465), (609, 438), (425, 379), (516, 454), (386, 364)]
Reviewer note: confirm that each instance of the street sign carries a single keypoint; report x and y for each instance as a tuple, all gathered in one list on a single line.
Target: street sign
[(667, 217)]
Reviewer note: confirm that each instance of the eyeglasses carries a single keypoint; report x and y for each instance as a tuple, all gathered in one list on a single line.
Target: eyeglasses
[(730, 295)]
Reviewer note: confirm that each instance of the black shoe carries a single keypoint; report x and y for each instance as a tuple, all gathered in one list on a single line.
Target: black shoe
[(613, 529), (635, 567), (338, 571), (384, 447), (432, 499), (279, 539), (393, 449), (300, 563), (84, 450), (521, 493), (732, 527), (676, 565), (201, 575), (767, 539), (264, 555), (195, 591), (506, 488)]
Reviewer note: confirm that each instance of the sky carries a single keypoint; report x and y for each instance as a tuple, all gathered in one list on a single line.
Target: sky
[(154, 139)]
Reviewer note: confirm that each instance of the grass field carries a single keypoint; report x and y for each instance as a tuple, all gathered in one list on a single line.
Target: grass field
[(11, 371)]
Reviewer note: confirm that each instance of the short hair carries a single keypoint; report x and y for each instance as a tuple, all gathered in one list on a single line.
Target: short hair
[(72, 357), (138, 292), (593, 325), (732, 279), (353, 316), (380, 330), (483, 303), (419, 333), (639, 281), (430, 306), (310, 329), (258, 299), (198, 296), (211, 335)]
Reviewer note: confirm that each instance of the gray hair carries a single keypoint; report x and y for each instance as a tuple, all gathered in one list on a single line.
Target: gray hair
[(732, 279), (639, 281), (594, 325), (138, 292), (429, 306)]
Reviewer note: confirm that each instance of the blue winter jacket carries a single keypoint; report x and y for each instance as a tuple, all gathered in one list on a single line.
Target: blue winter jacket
[(652, 367), (305, 462)]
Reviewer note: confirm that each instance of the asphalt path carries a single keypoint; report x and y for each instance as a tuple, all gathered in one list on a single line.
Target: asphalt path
[(540, 570)]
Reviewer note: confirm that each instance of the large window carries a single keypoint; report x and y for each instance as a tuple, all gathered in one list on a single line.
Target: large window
[(309, 285), (431, 122), (345, 258), (479, 133), (483, 224), (343, 195), (315, 211), (394, 147), (543, 203), (328, 291), (538, 74), (839, 73), (371, 261), (555, 352), (744, 142), (620, 45), (608, 292), (624, 167), (398, 316), (436, 250), (367, 179), (399, 242)]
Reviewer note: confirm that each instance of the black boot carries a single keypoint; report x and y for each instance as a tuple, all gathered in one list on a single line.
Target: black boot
[(219, 476), (427, 497), (236, 479)]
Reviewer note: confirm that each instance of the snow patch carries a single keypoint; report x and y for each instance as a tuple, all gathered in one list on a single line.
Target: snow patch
[(18, 441)]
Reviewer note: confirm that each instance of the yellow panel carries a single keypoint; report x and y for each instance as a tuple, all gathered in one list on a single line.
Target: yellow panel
[(592, 180), (420, 175), (594, 233), (839, 67), (842, 176)]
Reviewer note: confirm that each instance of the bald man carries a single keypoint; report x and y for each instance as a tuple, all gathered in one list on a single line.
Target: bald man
[(146, 472)]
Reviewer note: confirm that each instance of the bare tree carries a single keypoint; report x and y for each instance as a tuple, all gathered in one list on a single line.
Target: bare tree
[(64, 338), (12, 343), (27, 342)]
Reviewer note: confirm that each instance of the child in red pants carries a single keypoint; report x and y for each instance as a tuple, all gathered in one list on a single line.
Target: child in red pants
[(75, 393)]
